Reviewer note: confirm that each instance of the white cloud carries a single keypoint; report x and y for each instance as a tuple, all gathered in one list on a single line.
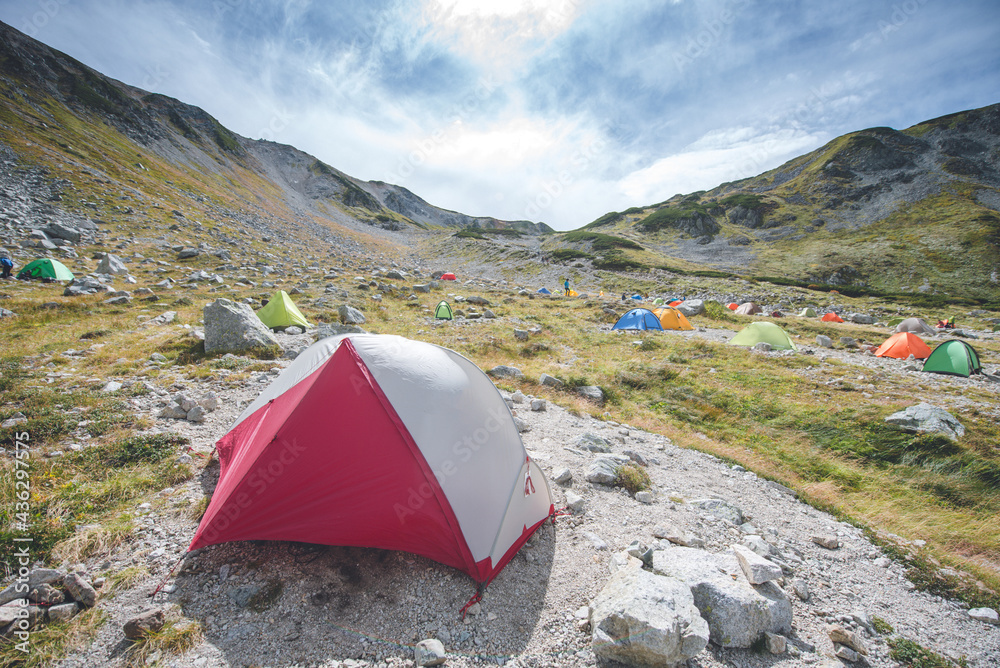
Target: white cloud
[(720, 156)]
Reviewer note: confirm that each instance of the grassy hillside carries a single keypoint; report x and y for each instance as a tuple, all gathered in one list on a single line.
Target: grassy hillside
[(911, 211)]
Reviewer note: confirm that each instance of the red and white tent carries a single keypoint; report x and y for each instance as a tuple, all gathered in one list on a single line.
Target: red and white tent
[(380, 441)]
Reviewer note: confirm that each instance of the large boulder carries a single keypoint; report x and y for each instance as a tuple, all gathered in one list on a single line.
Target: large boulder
[(642, 619), (350, 315), (604, 469), (234, 328), (85, 285), (738, 613), (691, 307), (591, 392), (65, 232), (111, 264), (926, 417)]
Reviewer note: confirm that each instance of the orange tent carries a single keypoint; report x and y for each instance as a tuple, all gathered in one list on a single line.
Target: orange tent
[(902, 345), (448, 276), (676, 302), (831, 317), (672, 319), (733, 306)]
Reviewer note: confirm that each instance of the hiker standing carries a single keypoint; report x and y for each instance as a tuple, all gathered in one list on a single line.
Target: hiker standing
[(6, 263), (566, 286)]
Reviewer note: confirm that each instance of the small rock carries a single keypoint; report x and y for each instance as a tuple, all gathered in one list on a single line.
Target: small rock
[(62, 613), (522, 335), (846, 653), (829, 542), (549, 381), (988, 615), (591, 392), (562, 476), (350, 315), (839, 634), (824, 341), (80, 589), (538, 405), (757, 569), (776, 643), (147, 622), (429, 652), (575, 503), (593, 443), (645, 496), (504, 371), (112, 386), (196, 414), (801, 589)]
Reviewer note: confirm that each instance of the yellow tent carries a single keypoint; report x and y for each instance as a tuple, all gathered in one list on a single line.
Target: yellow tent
[(282, 312), (671, 318)]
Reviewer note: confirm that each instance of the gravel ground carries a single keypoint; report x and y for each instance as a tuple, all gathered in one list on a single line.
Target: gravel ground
[(283, 604)]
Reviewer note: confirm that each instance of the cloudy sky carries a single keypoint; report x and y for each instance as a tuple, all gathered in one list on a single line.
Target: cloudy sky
[(550, 110)]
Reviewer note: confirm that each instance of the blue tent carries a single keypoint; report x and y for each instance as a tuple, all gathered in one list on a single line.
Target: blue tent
[(543, 291), (637, 297), (639, 318)]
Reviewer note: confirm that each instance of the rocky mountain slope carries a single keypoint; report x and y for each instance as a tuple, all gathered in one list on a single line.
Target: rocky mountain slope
[(63, 105), (902, 211)]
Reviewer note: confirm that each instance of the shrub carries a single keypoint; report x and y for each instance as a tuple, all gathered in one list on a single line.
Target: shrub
[(632, 477)]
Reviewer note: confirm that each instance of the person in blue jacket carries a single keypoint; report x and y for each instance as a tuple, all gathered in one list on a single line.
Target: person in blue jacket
[(566, 286), (5, 263)]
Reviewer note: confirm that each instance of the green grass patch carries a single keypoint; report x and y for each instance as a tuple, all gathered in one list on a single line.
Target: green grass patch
[(601, 242), (912, 655), (632, 477)]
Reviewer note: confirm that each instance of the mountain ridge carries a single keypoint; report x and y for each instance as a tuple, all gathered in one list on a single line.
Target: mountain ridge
[(849, 212)]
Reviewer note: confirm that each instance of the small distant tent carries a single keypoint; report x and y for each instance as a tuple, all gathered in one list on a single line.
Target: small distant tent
[(807, 312), (777, 314), (443, 311), (954, 357), (895, 321), (748, 309), (763, 332), (544, 291), (637, 297), (448, 276), (281, 311), (572, 293), (639, 318), (915, 326), (45, 268), (831, 317), (658, 301), (903, 344), (671, 318), (732, 306), (676, 302)]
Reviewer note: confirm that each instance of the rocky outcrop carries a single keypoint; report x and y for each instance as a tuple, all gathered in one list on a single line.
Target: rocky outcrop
[(738, 613), (648, 620), (235, 328)]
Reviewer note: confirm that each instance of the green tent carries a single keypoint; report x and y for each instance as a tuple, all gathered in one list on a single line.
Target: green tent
[(443, 311), (46, 268), (807, 312), (895, 321), (766, 332), (954, 357), (281, 311)]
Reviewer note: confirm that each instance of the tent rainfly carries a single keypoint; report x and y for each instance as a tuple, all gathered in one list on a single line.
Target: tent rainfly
[(671, 318), (763, 332), (281, 311), (544, 291), (379, 441), (903, 344), (915, 326), (448, 276), (748, 308), (45, 268), (831, 317), (955, 358), (443, 311), (639, 318), (807, 312)]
